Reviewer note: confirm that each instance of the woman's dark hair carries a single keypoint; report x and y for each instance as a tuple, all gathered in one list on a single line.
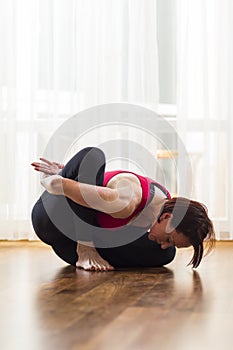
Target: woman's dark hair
[(191, 219)]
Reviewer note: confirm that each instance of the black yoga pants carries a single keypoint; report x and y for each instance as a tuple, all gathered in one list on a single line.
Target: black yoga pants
[(59, 224)]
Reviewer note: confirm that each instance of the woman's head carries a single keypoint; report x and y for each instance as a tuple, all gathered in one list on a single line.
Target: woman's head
[(189, 219)]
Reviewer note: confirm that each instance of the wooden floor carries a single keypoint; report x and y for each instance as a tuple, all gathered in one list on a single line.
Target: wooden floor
[(46, 304)]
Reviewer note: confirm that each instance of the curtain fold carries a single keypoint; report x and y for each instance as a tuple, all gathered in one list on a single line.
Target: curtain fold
[(204, 103), (57, 58)]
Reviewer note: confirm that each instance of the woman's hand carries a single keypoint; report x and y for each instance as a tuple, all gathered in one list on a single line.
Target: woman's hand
[(47, 167), (53, 184), (51, 181)]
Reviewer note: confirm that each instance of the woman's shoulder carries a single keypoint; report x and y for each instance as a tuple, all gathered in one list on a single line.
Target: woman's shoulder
[(123, 177)]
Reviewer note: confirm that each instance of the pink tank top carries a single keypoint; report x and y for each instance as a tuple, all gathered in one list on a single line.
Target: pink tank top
[(107, 221)]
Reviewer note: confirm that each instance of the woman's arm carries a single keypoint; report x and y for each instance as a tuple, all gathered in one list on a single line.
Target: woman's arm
[(119, 202)]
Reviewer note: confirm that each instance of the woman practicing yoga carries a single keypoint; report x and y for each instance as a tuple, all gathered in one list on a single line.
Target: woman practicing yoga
[(123, 204)]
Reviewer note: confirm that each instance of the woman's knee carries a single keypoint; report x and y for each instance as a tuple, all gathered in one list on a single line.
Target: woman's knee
[(92, 152), (85, 165), (169, 256), (91, 166), (41, 222)]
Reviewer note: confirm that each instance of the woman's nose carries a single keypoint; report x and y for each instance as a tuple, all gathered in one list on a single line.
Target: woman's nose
[(165, 245)]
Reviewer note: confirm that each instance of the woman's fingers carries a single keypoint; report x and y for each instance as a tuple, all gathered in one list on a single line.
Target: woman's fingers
[(35, 164), (60, 166), (42, 167), (47, 167), (40, 164), (46, 161)]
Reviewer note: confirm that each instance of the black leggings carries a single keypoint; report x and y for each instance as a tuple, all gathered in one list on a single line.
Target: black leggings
[(51, 217)]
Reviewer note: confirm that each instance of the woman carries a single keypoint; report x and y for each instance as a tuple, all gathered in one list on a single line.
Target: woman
[(123, 204)]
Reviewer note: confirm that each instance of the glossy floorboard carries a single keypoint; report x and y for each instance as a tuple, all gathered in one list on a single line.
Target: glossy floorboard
[(46, 305)]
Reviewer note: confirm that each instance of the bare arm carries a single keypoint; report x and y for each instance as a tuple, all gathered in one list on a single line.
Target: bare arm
[(119, 202)]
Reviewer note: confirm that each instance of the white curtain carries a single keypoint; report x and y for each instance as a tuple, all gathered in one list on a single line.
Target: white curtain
[(57, 58), (205, 103)]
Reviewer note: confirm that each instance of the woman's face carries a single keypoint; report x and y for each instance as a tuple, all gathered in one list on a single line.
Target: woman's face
[(163, 234)]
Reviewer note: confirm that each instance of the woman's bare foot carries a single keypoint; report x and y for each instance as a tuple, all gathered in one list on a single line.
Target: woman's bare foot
[(89, 259)]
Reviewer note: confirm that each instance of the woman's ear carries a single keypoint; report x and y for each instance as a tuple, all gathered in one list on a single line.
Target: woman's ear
[(166, 216)]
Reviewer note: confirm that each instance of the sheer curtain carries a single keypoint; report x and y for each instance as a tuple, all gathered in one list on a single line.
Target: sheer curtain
[(205, 101), (59, 57)]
